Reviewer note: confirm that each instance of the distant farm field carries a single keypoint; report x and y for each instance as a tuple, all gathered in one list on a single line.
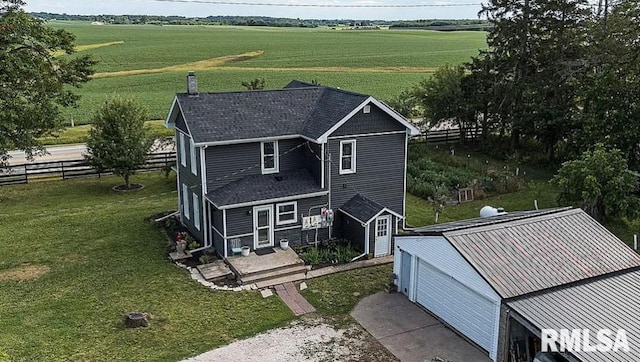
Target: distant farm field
[(149, 62)]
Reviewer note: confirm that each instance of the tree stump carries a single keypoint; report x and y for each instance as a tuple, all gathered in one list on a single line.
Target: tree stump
[(135, 320)]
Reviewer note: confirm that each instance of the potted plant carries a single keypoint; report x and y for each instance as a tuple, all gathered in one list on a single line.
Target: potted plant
[(284, 244), (245, 250), (181, 244)]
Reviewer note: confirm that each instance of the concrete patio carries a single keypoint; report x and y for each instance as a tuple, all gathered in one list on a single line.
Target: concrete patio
[(411, 333)]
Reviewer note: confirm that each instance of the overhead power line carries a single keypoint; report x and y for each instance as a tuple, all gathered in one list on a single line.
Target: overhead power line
[(245, 3)]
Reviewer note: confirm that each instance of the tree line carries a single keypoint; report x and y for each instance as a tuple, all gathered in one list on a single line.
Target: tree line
[(561, 74), (433, 24)]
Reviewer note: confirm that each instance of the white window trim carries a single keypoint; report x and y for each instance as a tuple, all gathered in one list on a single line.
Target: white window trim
[(196, 212), (276, 158), (295, 213), (366, 109), (185, 201), (192, 150), (352, 169), (183, 151)]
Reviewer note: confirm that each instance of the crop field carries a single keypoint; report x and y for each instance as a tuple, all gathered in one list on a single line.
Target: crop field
[(149, 62)]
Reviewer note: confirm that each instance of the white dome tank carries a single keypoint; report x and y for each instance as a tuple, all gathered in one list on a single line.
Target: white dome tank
[(488, 211)]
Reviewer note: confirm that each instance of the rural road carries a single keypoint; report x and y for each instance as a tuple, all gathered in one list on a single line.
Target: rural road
[(61, 153), (56, 153)]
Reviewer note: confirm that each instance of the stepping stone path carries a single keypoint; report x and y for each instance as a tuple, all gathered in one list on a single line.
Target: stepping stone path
[(294, 300)]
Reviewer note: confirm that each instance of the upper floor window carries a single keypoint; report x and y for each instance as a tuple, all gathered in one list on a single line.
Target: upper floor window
[(347, 156), (183, 151), (194, 165), (269, 153)]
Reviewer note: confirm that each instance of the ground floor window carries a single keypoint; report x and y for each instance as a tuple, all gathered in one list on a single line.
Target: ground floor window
[(185, 201), (287, 213), (196, 212)]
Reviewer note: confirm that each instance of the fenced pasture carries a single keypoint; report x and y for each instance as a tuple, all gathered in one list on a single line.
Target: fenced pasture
[(377, 62)]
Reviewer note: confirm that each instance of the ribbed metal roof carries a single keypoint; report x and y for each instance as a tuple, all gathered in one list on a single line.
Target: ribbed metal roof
[(542, 251), (609, 303), (438, 229)]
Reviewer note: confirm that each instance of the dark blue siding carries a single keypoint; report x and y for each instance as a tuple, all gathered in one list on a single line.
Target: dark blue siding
[(380, 169), (240, 224), (193, 182), (229, 163), (351, 230), (374, 122)]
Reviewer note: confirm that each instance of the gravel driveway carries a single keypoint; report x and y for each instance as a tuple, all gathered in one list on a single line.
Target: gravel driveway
[(310, 339)]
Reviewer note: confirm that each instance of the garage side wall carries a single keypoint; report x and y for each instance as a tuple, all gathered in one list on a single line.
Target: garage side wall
[(442, 256)]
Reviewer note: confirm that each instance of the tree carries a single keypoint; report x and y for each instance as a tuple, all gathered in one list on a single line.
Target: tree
[(537, 49), (599, 182), (438, 200), (118, 140), (441, 97), (611, 89), (34, 79), (254, 84)]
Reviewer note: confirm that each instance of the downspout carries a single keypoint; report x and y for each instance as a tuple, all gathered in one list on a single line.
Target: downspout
[(224, 232), (329, 190), (203, 179), (366, 243)]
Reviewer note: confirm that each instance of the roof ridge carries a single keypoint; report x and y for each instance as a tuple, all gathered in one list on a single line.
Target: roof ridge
[(241, 91), (517, 220), (572, 284)]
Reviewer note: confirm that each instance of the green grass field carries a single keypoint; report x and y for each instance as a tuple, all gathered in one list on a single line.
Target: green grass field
[(76, 256), (380, 62)]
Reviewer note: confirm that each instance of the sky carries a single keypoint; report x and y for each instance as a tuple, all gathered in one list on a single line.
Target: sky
[(331, 9)]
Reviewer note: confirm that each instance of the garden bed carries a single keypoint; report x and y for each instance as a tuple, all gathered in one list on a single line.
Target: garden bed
[(333, 252)]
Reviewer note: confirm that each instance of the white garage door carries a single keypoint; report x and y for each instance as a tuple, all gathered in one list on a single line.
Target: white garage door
[(470, 313)]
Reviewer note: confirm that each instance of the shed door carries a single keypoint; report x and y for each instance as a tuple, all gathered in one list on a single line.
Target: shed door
[(383, 236), (469, 312)]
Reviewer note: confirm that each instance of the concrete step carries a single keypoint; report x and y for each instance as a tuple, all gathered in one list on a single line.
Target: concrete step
[(272, 269), (273, 273), (281, 280)]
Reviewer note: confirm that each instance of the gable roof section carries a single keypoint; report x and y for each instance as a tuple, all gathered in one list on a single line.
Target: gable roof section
[(300, 109), (265, 189), (215, 117), (542, 251), (364, 210), (606, 303)]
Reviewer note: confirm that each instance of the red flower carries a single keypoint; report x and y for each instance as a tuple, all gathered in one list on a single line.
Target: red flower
[(179, 237)]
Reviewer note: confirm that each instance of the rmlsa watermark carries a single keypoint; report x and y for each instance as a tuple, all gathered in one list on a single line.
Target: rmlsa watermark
[(584, 340)]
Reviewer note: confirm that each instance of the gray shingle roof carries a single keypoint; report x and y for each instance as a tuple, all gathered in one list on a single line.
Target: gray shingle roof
[(299, 109), (607, 303), (361, 208), (264, 187), (530, 254)]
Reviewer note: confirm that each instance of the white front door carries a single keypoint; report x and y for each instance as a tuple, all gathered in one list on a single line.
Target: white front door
[(262, 226), (383, 236)]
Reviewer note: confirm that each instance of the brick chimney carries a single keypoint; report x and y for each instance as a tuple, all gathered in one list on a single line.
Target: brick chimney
[(192, 84)]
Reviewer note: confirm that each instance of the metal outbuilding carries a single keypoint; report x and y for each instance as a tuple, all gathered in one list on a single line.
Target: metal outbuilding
[(499, 280)]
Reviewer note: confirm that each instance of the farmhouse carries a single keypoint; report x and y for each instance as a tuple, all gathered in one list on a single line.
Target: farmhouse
[(499, 281), (302, 164)]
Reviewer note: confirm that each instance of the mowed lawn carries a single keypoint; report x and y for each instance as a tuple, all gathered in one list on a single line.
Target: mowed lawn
[(376, 62), (76, 257)]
